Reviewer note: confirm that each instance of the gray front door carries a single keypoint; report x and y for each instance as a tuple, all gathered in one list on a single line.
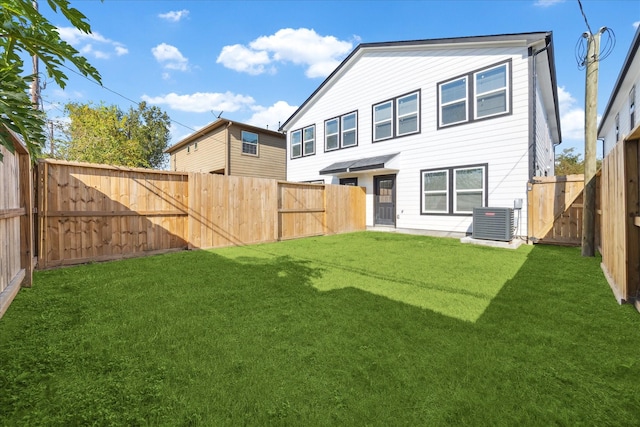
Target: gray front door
[(384, 202)]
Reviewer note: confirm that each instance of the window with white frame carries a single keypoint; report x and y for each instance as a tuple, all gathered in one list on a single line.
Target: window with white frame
[(309, 140), (453, 102), (468, 184), (454, 190), (249, 143), (341, 132), (397, 117), (632, 108), (383, 121), (407, 107), (331, 134), (435, 190), (617, 126), (489, 90), (296, 144)]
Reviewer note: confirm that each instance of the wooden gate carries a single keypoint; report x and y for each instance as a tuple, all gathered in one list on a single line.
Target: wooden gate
[(555, 209)]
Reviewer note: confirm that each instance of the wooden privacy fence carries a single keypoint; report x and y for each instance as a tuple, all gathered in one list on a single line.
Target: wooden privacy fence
[(620, 219), (555, 209), (93, 212), (16, 224)]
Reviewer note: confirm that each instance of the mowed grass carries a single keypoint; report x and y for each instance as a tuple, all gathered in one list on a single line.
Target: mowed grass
[(357, 329)]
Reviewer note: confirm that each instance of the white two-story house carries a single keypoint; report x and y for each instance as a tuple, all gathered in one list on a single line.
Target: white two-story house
[(433, 128)]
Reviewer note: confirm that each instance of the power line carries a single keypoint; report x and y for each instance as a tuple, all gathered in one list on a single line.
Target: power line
[(585, 17), (123, 96)]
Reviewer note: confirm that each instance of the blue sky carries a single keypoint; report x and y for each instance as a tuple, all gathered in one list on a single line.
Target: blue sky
[(257, 61)]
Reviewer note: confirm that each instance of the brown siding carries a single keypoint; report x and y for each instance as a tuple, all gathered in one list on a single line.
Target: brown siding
[(208, 157), (270, 161)]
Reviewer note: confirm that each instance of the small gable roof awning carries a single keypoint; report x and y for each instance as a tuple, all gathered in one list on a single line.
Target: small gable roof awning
[(354, 166)]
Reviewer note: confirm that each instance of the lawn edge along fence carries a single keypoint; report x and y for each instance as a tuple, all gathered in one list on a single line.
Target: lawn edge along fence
[(16, 221), (89, 212)]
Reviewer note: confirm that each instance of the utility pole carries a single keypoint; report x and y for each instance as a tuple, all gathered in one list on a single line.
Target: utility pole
[(590, 137), (35, 83)]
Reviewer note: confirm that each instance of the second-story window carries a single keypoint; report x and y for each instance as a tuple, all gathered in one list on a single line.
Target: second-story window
[(632, 108), (303, 142), (397, 117), (341, 132), (249, 143)]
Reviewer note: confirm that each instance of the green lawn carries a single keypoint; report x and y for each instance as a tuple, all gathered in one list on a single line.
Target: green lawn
[(358, 329)]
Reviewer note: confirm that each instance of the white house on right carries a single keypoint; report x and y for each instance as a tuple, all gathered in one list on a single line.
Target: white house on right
[(620, 116)]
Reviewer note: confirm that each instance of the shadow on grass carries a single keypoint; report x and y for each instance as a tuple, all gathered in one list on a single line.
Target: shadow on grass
[(240, 337)]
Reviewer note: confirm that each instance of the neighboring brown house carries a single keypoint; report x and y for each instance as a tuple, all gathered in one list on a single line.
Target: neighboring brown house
[(231, 148)]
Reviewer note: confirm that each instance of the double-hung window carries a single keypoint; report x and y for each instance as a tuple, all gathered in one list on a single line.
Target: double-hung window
[(453, 102), (383, 121), (491, 91), (454, 190), (249, 143), (407, 107), (435, 189), (476, 95), (396, 117), (303, 142), (341, 132)]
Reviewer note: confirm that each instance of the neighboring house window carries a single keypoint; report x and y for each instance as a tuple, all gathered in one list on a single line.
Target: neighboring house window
[(397, 117), (175, 162), (489, 95), (632, 108), (249, 143), (455, 190), (195, 146), (617, 127), (303, 142), (341, 132), (188, 149), (349, 181)]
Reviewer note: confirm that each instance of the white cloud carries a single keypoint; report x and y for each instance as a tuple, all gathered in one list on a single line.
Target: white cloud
[(174, 15), (271, 117), (85, 43), (571, 116), (547, 3), (244, 60), (201, 102), (171, 57), (300, 46)]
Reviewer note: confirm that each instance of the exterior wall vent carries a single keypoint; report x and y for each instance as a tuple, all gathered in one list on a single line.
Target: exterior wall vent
[(493, 224)]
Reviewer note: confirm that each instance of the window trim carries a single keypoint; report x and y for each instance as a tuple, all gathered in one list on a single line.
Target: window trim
[(394, 120), (471, 95), (451, 190), (340, 132), (257, 144)]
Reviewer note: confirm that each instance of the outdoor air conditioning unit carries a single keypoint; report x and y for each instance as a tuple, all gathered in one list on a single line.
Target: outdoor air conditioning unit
[(493, 224)]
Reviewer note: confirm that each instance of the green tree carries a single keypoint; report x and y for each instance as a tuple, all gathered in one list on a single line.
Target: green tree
[(23, 30), (569, 163), (104, 134)]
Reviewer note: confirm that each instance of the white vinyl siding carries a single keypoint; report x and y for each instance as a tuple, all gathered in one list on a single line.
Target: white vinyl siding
[(371, 80)]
